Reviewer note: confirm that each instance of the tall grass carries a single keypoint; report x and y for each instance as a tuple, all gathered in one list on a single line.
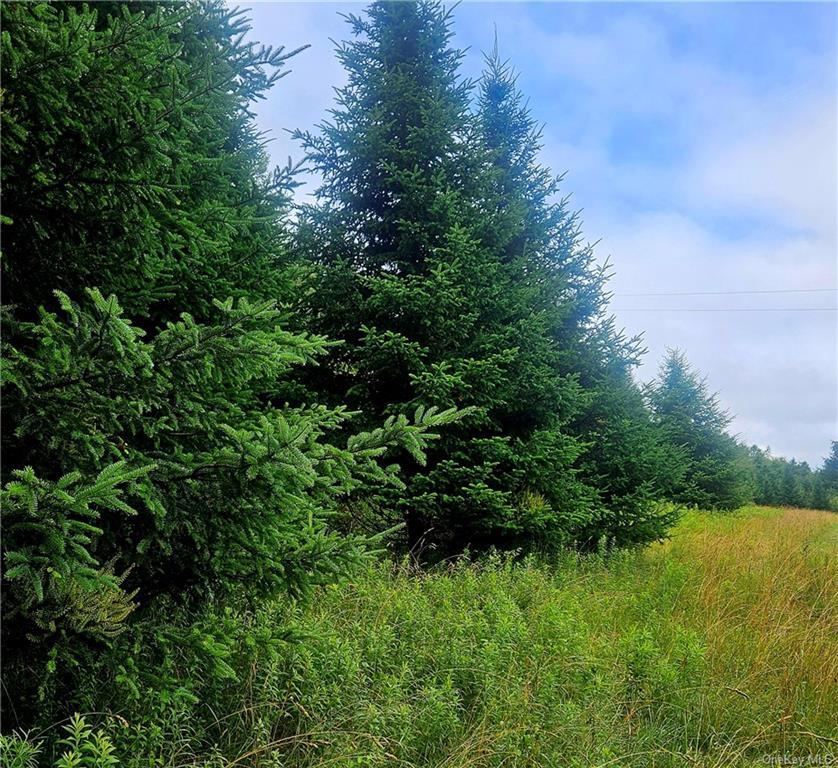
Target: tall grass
[(718, 648)]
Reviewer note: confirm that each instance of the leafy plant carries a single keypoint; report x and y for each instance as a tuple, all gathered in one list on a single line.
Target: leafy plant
[(84, 747), (228, 493), (17, 751), (49, 568)]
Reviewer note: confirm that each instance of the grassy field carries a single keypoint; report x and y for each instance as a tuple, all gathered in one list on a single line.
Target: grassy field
[(718, 648)]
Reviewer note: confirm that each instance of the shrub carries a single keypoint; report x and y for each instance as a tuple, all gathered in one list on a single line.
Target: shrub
[(174, 463)]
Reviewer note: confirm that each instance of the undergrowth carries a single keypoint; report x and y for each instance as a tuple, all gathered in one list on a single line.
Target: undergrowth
[(717, 648)]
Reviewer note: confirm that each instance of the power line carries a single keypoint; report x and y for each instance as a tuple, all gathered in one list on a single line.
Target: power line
[(725, 309), (731, 293)]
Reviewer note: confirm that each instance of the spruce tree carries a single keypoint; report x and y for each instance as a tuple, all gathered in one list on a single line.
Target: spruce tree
[(625, 462), (432, 311), (150, 457), (715, 465), (786, 482), (130, 159), (767, 472), (819, 488), (798, 484), (828, 478)]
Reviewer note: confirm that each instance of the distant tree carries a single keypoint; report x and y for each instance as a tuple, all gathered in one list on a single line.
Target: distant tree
[(797, 484), (715, 467), (828, 479), (829, 470), (768, 476), (786, 482)]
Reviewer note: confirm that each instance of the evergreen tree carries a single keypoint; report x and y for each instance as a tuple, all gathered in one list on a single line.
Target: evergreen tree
[(797, 484), (824, 482), (130, 160), (768, 471), (166, 459), (715, 465), (434, 309), (625, 461), (830, 464), (786, 482), (151, 454), (828, 478)]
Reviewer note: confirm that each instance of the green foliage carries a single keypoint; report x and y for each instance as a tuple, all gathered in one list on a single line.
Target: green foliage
[(200, 430), (661, 657), (827, 480), (830, 466), (786, 482), (715, 467), (17, 751), (158, 446), (50, 574), (130, 159), (625, 463), (495, 657), (81, 746), (444, 261), (228, 493)]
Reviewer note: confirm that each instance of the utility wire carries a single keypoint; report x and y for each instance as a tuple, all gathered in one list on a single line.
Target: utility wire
[(726, 309), (731, 293)]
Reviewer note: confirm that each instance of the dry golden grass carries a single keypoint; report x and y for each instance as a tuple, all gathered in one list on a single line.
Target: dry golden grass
[(763, 592), (718, 649)]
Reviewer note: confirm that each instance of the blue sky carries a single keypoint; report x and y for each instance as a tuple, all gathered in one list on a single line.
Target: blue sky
[(699, 141)]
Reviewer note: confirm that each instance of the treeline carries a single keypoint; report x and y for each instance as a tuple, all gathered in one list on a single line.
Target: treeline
[(716, 470), (788, 483), (209, 402)]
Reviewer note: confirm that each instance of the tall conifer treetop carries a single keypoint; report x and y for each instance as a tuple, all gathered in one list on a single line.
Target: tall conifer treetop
[(455, 276), (541, 242), (392, 155), (150, 453)]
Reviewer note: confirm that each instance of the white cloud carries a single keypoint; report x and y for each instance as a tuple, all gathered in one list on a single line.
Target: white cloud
[(785, 169), (303, 97), (775, 370)]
